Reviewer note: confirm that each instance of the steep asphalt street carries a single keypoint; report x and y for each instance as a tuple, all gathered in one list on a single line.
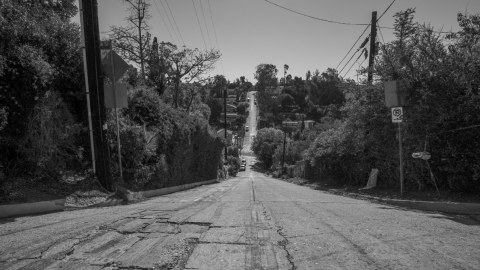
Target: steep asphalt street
[(248, 222)]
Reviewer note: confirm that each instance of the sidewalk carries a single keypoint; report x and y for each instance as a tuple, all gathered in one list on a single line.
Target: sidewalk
[(23, 209)]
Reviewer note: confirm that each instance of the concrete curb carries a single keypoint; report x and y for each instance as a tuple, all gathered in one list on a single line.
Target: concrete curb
[(455, 208), (31, 208), (446, 207), (22, 209)]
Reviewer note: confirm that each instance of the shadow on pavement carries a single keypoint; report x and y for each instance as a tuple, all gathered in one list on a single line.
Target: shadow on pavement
[(6, 220), (465, 220)]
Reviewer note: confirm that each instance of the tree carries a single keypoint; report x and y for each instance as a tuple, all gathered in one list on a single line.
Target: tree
[(156, 68), (40, 52), (133, 41), (265, 143), (216, 109), (285, 69), (323, 88), (241, 108), (266, 76), (187, 65), (286, 100), (308, 75)]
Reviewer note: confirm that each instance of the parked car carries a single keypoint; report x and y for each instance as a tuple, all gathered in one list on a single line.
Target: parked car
[(242, 167), (246, 128)]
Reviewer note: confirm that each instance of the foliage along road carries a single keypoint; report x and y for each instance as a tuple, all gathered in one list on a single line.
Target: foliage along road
[(247, 222)]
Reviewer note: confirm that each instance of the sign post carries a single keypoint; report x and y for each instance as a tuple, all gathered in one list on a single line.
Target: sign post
[(115, 67), (397, 117)]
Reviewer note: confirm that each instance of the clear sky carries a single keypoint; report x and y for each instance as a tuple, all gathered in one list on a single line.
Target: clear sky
[(250, 32)]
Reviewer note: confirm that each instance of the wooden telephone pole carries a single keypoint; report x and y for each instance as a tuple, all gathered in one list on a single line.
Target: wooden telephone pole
[(373, 37), (95, 91)]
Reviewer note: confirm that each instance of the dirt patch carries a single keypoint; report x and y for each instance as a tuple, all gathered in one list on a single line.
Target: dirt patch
[(384, 193)]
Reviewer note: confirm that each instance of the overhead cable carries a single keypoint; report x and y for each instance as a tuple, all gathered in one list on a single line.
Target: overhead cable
[(359, 48), (206, 25), (356, 62), (170, 21), (312, 16), (178, 29), (385, 10), (166, 26), (199, 25), (353, 46), (215, 32)]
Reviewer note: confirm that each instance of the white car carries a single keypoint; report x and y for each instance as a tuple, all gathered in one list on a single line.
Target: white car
[(246, 128)]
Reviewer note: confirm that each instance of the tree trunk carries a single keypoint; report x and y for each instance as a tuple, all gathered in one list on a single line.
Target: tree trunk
[(176, 93)]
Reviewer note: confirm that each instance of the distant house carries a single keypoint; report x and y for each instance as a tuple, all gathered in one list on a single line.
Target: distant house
[(231, 108), (221, 133), (232, 98), (309, 124), (296, 124), (230, 116)]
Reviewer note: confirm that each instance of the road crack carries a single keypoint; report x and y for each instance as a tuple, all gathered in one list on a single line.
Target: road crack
[(283, 243)]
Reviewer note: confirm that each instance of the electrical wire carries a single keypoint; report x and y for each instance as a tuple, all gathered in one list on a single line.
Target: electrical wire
[(352, 46), (215, 32), (166, 26), (355, 63), (206, 25), (386, 10), (350, 59), (199, 25), (178, 29), (171, 24), (312, 16)]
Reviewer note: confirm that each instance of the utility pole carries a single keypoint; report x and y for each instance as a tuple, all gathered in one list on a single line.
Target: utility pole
[(284, 141), (94, 80), (373, 37), (225, 118)]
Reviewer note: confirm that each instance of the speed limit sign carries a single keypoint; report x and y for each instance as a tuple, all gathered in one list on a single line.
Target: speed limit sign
[(397, 114)]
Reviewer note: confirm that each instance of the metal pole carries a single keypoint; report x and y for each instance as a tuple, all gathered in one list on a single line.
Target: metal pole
[(401, 158), (373, 36), (225, 118), (87, 90), (116, 114), (284, 141)]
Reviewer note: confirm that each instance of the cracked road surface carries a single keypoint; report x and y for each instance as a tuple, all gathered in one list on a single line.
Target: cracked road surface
[(248, 222)]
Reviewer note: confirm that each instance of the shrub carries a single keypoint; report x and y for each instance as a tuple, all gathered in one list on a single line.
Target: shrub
[(48, 145)]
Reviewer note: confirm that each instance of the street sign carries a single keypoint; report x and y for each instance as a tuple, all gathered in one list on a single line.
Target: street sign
[(397, 114), (395, 92), (105, 47), (117, 99), (120, 66)]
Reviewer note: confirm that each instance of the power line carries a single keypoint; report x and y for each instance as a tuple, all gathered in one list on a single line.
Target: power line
[(178, 29), (353, 46), (215, 32), (312, 16), (355, 63), (171, 24), (206, 26), (351, 58), (386, 10), (198, 20), (166, 26)]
